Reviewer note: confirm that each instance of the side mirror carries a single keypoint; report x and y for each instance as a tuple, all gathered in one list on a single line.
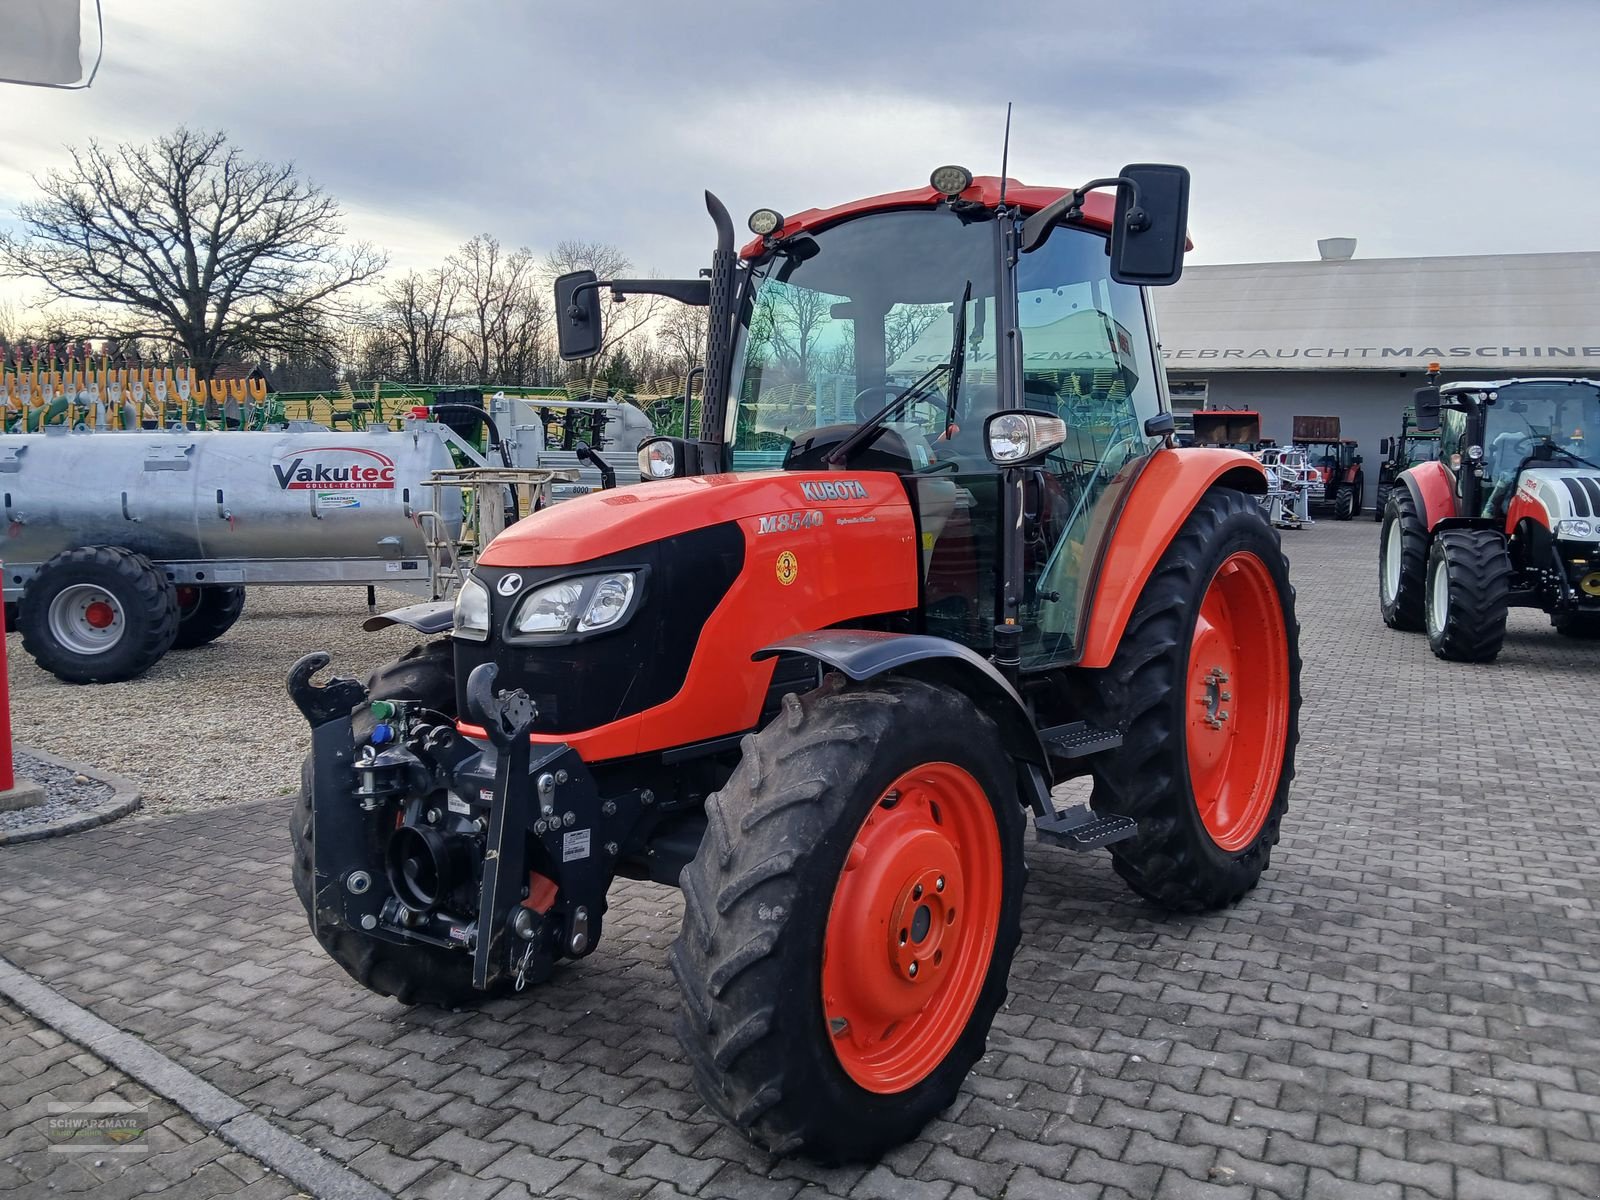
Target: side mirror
[(1385, 446), (1016, 439), (1160, 425), (1428, 402), (1151, 228), (578, 322)]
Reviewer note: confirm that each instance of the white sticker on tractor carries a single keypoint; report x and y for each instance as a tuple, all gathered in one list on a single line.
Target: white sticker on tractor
[(575, 845), (457, 805)]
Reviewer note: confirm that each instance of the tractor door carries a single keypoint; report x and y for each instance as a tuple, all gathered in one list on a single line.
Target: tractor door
[(1086, 357)]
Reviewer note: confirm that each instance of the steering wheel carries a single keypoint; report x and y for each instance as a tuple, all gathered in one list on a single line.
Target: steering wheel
[(864, 410)]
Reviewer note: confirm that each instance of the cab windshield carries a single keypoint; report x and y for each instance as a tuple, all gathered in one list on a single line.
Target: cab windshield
[(1526, 414), (839, 323)]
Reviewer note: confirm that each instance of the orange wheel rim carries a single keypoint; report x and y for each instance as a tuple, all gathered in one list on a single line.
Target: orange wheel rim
[(1237, 698), (912, 927)]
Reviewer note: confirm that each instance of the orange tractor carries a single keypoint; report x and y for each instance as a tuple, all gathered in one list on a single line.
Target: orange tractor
[(931, 554)]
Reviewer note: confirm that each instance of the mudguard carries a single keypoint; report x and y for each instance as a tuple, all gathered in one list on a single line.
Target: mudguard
[(1159, 500), (434, 616), (1432, 492), (865, 654)]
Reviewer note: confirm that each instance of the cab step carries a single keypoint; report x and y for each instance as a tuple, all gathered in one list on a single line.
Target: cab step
[(1081, 828), (1077, 739)]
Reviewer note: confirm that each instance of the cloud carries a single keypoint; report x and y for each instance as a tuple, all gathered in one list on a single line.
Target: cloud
[(1420, 128)]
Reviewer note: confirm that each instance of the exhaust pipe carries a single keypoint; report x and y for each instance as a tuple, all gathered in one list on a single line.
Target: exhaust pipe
[(426, 867)]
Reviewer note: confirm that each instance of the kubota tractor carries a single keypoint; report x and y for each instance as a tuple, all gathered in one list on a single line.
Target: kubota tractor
[(1413, 446), (822, 664), (1508, 516)]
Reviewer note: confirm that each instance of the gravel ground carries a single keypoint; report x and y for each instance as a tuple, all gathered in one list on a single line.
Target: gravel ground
[(67, 794), (213, 725)]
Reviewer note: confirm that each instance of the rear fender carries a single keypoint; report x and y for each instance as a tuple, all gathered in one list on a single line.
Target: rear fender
[(1158, 502), (863, 654), (1432, 491)]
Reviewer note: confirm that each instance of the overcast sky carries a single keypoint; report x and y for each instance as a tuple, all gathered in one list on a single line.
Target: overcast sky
[(1418, 127)]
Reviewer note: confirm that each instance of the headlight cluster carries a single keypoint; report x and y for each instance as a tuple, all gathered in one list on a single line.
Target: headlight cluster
[(585, 604), (1017, 437), (1574, 529)]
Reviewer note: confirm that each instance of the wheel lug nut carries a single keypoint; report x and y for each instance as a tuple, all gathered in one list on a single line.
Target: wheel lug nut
[(912, 970), (938, 884), (916, 892)]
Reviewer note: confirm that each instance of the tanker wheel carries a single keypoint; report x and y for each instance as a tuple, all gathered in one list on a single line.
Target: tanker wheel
[(1402, 561), (98, 614), (850, 918), (410, 974), (1208, 676), (1344, 504), (1469, 582), (206, 612)]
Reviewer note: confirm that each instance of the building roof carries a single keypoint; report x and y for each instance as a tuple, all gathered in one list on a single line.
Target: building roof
[(1504, 313)]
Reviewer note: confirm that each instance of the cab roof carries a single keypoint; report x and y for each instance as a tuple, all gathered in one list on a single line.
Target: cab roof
[(1099, 208), (1468, 385)]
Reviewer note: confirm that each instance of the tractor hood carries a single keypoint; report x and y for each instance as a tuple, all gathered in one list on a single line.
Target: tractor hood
[(617, 519), (1564, 499)]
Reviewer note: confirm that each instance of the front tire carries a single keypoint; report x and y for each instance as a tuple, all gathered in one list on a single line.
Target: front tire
[(1402, 562), (1208, 678), (1344, 504), (1582, 625), (850, 919), (410, 974), (98, 614), (1469, 581)]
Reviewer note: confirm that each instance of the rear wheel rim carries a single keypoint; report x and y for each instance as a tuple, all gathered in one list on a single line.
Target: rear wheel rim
[(188, 600), (1238, 701), (86, 619), (1391, 561), (1439, 597), (912, 927)]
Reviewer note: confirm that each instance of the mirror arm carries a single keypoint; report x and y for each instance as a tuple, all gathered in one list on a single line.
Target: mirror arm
[(1066, 208)]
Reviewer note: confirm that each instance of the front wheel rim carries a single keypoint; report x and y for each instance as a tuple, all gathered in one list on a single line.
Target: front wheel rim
[(1391, 561), (86, 619), (912, 927), (1238, 700)]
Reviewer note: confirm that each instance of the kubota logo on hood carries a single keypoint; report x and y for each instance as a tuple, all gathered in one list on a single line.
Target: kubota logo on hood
[(334, 466)]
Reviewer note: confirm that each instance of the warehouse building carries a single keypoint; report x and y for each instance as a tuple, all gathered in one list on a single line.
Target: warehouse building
[(1349, 337)]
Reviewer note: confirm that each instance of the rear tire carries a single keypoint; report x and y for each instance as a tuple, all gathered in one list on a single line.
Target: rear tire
[(210, 613), (1469, 581), (1402, 562), (98, 614), (785, 983), (410, 974), (1209, 799)]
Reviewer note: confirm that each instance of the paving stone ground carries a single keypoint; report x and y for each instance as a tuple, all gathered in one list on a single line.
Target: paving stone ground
[(177, 1159), (1406, 1007)]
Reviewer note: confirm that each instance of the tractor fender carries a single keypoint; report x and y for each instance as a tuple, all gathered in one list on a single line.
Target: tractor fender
[(1158, 500), (1432, 492), (430, 617), (862, 654)]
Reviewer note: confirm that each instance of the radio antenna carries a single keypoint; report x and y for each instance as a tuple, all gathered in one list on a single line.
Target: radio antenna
[(1005, 155)]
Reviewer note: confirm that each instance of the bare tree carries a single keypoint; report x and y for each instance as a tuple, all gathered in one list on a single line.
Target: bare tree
[(420, 310), (682, 332), (194, 243)]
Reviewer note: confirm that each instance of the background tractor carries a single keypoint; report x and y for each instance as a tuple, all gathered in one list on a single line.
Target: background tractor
[(1508, 516), (1337, 481), (820, 666), (1412, 447)]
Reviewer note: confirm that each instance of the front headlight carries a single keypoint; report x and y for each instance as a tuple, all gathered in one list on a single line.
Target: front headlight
[(471, 620), (583, 605), (1577, 529)]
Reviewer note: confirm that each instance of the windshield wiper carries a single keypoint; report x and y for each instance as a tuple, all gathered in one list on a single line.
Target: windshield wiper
[(958, 359), (840, 453)]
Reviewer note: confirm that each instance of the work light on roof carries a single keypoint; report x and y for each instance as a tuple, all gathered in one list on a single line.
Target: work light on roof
[(952, 181), (765, 222)]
